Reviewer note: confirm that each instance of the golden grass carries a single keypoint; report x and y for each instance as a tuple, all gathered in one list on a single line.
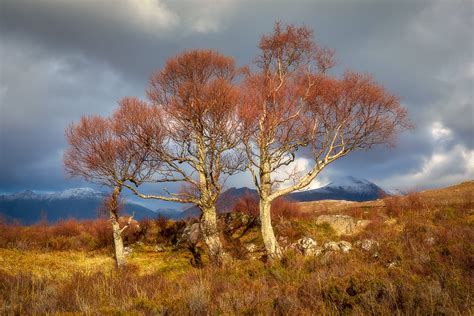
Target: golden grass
[(424, 265), (64, 264), (57, 264)]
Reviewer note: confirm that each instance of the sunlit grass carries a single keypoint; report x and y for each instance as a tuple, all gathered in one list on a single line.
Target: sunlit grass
[(423, 266)]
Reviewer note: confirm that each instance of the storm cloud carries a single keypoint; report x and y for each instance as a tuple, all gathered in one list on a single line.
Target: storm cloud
[(62, 59)]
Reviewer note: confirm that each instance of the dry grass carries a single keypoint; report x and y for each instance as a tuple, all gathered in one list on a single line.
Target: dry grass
[(424, 265)]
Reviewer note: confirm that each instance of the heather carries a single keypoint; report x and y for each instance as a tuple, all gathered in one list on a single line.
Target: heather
[(423, 263)]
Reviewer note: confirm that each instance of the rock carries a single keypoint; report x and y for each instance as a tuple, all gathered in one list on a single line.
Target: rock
[(345, 246), (343, 224), (127, 251), (367, 244), (337, 246), (251, 247), (392, 264), (308, 246), (190, 235), (331, 246), (159, 248)]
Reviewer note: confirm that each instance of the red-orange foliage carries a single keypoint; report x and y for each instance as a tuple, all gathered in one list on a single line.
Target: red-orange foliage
[(281, 208), (247, 204), (105, 151), (198, 100), (196, 95), (291, 105), (64, 235), (101, 151)]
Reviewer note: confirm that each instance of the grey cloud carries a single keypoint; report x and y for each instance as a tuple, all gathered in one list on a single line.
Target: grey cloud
[(63, 59)]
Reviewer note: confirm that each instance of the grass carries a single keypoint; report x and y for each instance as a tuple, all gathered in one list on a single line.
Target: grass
[(424, 265)]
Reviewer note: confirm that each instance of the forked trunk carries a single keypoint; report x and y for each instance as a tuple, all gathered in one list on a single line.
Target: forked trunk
[(117, 233), (211, 236), (271, 244)]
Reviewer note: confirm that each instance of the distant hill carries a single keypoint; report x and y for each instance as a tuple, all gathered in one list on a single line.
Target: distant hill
[(171, 213), (28, 207), (345, 188)]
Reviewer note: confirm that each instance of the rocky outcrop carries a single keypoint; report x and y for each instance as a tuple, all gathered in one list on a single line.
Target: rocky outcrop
[(343, 224), (368, 245), (251, 248), (308, 247), (337, 246), (190, 236)]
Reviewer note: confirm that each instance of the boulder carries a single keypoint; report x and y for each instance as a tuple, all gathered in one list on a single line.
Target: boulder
[(190, 236), (337, 246), (367, 244), (331, 246), (343, 224), (308, 246), (344, 246), (251, 247)]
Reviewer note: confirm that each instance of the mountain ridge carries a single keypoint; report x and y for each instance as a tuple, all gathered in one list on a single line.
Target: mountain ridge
[(343, 188), (29, 206)]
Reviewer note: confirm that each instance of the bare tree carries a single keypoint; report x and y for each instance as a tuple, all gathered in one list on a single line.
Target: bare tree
[(291, 106), (100, 152), (197, 98)]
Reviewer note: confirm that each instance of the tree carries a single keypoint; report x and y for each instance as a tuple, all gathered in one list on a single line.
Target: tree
[(292, 106), (197, 98), (100, 152)]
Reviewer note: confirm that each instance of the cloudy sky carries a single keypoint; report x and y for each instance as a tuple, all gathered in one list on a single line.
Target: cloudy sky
[(60, 59)]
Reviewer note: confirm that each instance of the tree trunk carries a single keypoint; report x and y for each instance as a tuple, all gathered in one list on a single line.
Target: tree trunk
[(211, 235), (117, 233), (271, 244)]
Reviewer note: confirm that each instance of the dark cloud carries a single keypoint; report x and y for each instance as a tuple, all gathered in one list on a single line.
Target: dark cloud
[(63, 59)]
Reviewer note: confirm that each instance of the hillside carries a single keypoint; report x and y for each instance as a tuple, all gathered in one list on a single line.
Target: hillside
[(29, 207), (343, 188), (461, 193), (414, 256)]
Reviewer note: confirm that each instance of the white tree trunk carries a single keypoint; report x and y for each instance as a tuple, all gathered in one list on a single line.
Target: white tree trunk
[(271, 244), (211, 235), (118, 241), (117, 232)]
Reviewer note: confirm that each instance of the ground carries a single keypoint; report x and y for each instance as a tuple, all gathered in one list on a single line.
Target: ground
[(423, 265)]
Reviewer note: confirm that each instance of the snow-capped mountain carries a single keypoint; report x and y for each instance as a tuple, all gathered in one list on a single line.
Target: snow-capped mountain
[(28, 207), (75, 193), (344, 188)]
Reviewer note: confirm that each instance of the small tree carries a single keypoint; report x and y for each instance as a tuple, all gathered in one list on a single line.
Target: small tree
[(196, 95), (99, 151), (292, 106)]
